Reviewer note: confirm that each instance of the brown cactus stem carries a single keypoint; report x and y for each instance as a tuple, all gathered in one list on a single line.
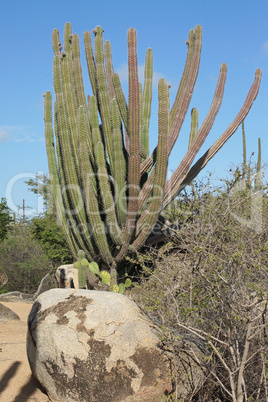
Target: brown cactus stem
[(134, 143), (184, 101), (201, 163), (147, 99), (190, 42), (146, 164), (201, 135)]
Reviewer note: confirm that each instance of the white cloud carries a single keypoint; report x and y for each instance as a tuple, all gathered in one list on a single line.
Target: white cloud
[(265, 47), (122, 71), (4, 134), (18, 134)]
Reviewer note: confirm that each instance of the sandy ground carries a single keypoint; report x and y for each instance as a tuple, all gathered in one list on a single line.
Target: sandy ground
[(16, 380)]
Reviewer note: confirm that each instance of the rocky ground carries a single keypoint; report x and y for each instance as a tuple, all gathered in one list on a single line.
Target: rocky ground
[(16, 380)]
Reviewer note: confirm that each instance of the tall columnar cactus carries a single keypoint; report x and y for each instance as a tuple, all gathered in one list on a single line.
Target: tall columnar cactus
[(108, 189)]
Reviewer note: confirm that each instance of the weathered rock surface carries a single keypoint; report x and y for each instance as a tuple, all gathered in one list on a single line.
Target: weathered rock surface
[(85, 345), (6, 314)]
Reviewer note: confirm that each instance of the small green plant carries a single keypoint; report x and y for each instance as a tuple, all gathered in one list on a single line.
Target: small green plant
[(90, 271)]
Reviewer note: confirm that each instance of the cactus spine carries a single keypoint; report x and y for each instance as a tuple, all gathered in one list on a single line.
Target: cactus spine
[(108, 189)]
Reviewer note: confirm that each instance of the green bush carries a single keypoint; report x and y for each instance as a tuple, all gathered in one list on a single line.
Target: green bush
[(23, 259), (49, 234)]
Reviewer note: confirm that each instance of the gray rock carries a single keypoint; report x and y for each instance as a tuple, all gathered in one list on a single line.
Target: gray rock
[(65, 276), (7, 315), (86, 345), (16, 297), (48, 282)]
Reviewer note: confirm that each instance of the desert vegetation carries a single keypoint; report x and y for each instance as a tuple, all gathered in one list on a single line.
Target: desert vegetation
[(207, 289)]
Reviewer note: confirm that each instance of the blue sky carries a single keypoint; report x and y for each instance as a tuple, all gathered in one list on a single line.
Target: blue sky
[(234, 32)]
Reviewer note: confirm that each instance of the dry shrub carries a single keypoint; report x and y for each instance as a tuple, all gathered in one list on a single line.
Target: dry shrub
[(207, 289)]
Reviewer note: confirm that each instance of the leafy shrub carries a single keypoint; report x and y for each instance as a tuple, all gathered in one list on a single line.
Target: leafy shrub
[(49, 234), (23, 260)]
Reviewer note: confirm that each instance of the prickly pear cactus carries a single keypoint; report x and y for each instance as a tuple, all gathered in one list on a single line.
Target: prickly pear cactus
[(109, 279)]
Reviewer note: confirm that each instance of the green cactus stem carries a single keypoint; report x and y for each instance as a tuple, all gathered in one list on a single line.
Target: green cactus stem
[(258, 180)]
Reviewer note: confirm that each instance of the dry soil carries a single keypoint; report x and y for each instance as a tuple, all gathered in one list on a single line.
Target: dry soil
[(16, 380)]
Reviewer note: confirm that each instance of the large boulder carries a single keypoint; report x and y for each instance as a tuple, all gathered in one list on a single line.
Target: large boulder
[(86, 345)]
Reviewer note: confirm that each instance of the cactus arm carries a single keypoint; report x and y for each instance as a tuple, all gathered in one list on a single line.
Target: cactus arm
[(146, 165), (142, 150), (259, 156), (208, 155), (103, 177), (97, 226), (191, 43), (103, 97), (91, 66), (133, 121), (78, 88), (147, 99), (109, 69), (70, 98), (71, 186), (119, 165), (258, 180), (184, 101), (122, 104), (56, 45), (68, 37), (149, 217), (134, 143), (77, 70), (194, 126), (186, 162), (53, 171)]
